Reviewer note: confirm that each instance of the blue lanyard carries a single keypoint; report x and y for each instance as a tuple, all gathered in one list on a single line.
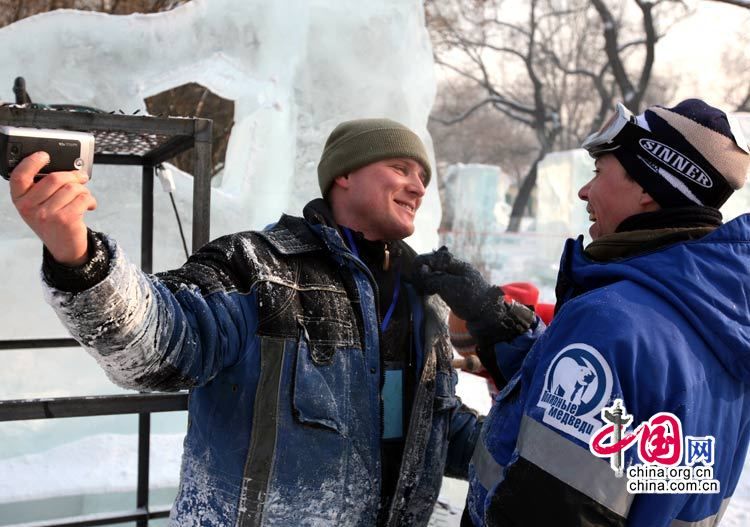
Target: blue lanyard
[(396, 289), (389, 313), (350, 239)]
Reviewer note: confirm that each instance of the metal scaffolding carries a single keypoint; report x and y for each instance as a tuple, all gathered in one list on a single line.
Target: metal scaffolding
[(121, 140)]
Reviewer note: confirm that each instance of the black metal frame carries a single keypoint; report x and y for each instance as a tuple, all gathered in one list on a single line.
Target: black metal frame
[(125, 140)]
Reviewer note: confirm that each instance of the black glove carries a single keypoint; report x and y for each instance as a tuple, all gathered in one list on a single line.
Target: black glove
[(489, 318), (458, 283)]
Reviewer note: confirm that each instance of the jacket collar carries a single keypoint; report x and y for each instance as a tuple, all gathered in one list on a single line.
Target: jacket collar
[(649, 231), (632, 243), (318, 230), (291, 235), (672, 218)]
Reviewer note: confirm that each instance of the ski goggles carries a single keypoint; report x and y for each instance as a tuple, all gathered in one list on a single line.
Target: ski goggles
[(604, 139), (739, 136)]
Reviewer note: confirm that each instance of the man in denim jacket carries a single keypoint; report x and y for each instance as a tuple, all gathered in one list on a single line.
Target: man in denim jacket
[(322, 391)]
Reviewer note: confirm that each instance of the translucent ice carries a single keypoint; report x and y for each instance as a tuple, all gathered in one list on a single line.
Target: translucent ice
[(294, 69), (292, 78)]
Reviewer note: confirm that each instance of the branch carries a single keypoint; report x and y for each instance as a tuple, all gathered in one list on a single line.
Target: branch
[(499, 102), (459, 71), (550, 53), (611, 47), (540, 114), (648, 63), (738, 3), (510, 26), (467, 44), (512, 106), (463, 116), (563, 12), (505, 50), (514, 116), (639, 42)]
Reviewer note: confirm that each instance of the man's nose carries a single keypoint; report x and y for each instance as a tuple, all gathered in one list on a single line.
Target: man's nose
[(583, 193), (416, 185)]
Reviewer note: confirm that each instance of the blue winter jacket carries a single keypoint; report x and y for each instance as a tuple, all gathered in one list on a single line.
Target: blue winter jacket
[(276, 334), (664, 331)]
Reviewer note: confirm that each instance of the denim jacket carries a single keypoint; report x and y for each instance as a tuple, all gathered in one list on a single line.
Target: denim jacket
[(275, 334)]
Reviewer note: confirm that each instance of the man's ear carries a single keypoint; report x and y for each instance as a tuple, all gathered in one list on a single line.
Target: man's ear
[(647, 202), (342, 181)]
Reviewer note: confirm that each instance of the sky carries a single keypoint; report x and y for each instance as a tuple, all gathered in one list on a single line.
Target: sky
[(692, 50)]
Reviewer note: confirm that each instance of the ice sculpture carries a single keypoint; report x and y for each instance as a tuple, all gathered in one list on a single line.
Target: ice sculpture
[(476, 211), (292, 78), (294, 69)]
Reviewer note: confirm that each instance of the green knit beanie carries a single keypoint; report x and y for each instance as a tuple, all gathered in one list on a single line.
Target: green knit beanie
[(354, 144)]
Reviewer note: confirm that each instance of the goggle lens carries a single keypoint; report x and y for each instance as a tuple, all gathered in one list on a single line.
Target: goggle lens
[(601, 140)]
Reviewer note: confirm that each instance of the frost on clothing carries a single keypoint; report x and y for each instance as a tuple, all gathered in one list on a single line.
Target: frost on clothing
[(667, 330), (120, 317), (276, 334)]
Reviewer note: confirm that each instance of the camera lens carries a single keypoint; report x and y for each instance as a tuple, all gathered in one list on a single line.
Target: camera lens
[(15, 150)]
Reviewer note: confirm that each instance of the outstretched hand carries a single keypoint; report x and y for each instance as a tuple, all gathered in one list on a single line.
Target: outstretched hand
[(489, 317), (457, 282), (53, 206)]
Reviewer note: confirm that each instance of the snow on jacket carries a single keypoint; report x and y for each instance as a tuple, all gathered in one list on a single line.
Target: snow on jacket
[(276, 335), (664, 331)]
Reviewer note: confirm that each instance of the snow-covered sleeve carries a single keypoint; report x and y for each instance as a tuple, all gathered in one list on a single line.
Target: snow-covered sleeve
[(160, 332)]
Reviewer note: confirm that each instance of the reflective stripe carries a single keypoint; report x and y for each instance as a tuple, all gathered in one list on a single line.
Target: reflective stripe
[(574, 466), (712, 520), (488, 471), (259, 463)]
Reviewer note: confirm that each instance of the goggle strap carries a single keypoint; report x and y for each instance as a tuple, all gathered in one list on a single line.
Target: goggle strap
[(641, 121)]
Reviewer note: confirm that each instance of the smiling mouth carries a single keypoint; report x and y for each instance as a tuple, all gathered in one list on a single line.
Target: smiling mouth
[(406, 206), (592, 216)]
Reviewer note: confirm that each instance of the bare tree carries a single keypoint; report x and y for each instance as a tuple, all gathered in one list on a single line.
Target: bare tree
[(738, 3), (485, 137), (545, 69), (477, 30), (744, 105)]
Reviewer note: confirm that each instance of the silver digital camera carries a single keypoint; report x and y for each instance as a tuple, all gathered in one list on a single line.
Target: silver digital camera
[(67, 150)]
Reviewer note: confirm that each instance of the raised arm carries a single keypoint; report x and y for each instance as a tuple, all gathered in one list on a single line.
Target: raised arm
[(54, 206)]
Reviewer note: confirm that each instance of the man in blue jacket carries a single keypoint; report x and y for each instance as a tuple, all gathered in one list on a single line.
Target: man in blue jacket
[(642, 380), (322, 391)]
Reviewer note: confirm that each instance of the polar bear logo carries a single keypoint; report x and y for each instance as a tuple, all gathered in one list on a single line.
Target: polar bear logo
[(577, 384), (571, 379)]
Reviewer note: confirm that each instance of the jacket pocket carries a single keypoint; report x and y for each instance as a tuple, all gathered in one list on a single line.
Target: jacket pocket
[(320, 387)]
